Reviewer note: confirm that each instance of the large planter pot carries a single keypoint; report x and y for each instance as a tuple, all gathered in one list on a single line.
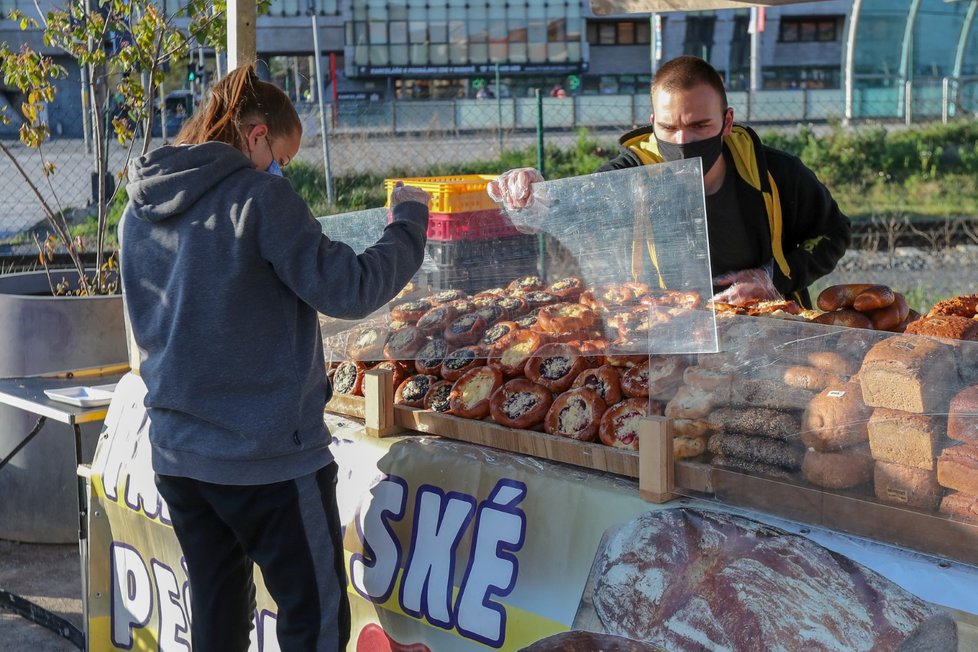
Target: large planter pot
[(39, 334)]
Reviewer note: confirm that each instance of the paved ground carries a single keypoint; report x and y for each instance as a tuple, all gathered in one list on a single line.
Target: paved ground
[(50, 577)]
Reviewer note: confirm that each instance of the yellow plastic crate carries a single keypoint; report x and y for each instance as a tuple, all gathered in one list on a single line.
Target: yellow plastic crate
[(462, 194)]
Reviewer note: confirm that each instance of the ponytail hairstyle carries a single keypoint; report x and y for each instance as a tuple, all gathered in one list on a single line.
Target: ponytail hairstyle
[(234, 102)]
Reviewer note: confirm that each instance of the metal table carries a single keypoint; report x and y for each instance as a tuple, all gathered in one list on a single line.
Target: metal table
[(27, 393)]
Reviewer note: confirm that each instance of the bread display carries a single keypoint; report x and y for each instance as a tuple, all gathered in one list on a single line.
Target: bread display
[(961, 306), (909, 374), (437, 398), (470, 395), (838, 470), (555, 366), (951, 327), (811, 378), (904, 438), (412, 391), (836, 419), (605, 379), (619, 423), (906, 486), (957, 468)]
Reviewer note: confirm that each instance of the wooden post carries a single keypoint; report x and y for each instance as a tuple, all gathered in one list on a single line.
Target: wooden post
[(655, 460), (241, 33), (378, 394)]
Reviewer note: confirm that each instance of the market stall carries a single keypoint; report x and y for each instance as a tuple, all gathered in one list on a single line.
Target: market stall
[(502, 427)]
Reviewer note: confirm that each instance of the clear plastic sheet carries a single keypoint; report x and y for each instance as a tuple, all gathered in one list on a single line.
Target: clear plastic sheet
[(608, 244), (874, 433)]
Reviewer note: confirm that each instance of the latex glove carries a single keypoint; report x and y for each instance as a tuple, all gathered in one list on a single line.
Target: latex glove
[(402, 193), (745, 285), (513, 189)]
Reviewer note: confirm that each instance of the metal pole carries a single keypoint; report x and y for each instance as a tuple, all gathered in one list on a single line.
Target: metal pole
[(654, 43), (322, 106), (850, 60), (908, 102), (499, 110), (755, 48), (945, 99), (540, 161)]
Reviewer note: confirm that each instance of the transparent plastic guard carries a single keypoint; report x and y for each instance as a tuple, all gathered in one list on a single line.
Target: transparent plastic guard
[(871, 433)]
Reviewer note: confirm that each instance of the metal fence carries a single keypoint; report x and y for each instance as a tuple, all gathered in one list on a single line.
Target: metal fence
[(378, 137)]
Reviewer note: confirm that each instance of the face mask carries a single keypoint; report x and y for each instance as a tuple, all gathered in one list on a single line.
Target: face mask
[(275, 169), (709, 149)]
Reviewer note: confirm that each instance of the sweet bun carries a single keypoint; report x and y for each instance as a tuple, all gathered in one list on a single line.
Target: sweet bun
[(367, 344), (620, 423), (575, 414), (435, 320), (411, 391), (471, 393), (348, 378), (465, 330), (520, 403), (400, 369), (430, 356), (555, 366), (604, 379), (567, 289), (437, 397), (404, 343), (515, 351), (461, 360), (410, 311)]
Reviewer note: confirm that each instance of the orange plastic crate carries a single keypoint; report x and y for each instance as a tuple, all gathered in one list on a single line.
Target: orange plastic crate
[(465, 193)]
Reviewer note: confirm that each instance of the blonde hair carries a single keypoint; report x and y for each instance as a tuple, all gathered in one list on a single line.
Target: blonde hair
[(235, 101)]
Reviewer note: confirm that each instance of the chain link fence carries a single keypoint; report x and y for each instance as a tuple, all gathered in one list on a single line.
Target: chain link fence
[(377, 137)]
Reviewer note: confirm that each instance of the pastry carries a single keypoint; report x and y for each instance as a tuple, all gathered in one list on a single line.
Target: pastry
[(471, 393), (520, 403), (575, 414)]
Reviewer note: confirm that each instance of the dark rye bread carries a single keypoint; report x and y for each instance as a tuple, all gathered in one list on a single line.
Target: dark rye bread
[(757, 449), (699, 580), (762, 422)]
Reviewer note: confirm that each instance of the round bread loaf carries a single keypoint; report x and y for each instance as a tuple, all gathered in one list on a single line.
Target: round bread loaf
[(835, 419), (842, 470), (952, 327), (810, 378)]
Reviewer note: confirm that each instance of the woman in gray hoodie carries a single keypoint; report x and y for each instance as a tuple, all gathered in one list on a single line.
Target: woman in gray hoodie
[(225, 269)]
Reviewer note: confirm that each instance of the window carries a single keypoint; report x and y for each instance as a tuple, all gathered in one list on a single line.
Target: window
[(799, 29), (699, 36), (622, 32)]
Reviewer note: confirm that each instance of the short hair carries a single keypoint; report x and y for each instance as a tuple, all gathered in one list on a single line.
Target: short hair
[(685, 72)]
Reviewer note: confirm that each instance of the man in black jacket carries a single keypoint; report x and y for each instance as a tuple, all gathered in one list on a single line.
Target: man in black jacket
[(773, 227)]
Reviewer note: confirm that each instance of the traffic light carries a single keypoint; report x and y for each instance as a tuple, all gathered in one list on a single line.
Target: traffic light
[(191, 72)]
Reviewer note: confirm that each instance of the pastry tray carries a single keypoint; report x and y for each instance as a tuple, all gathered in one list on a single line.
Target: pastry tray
[(82, 396)]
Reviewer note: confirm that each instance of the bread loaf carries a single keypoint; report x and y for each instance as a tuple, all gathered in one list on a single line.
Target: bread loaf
[(908, 373), (832, 362), (763, 422), (960, 507), (757, 449), (908, 439), (769, 394), (707, 379), (836, 419), (957, 468), (581, 641), (906, 486), (692, 427), (690, 580), (750, 467), (690, 403), (839, 470), (810, 378), (951, 327), (962, 415)]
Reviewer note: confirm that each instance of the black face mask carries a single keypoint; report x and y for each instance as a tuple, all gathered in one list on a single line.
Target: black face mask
[(709, 149)]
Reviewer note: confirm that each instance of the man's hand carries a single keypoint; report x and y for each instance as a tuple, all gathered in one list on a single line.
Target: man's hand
[(745, 285), (402, 193), (513, 189)]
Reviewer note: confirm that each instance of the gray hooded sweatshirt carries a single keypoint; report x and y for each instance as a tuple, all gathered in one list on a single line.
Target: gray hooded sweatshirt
[(224, 270)]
